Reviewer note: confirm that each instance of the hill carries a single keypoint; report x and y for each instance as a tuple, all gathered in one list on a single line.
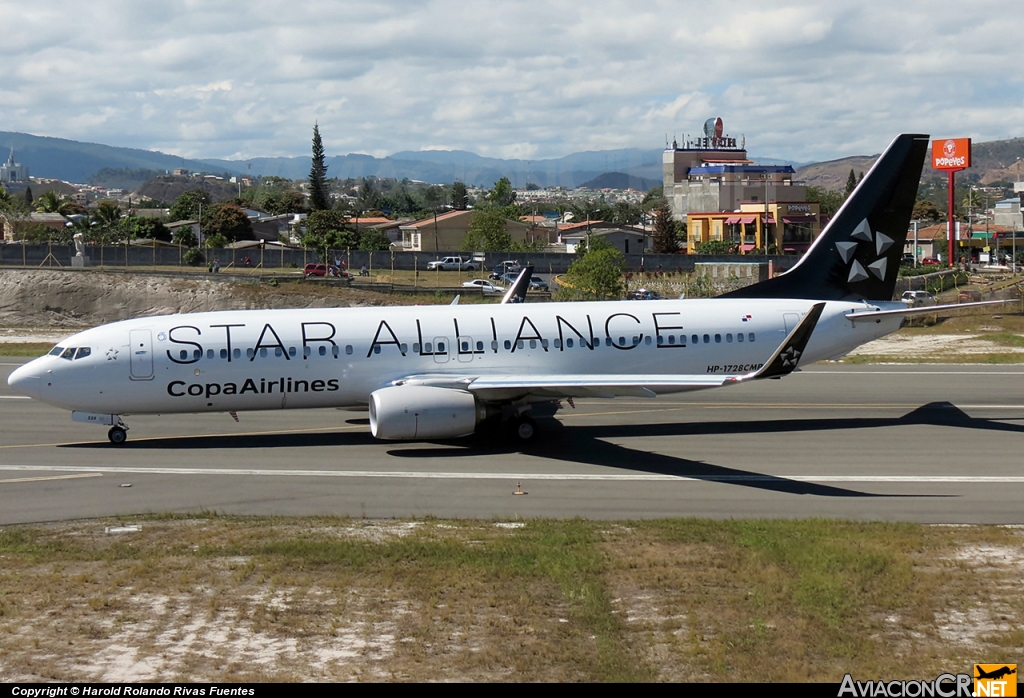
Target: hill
[(76, 162), (621, 180)]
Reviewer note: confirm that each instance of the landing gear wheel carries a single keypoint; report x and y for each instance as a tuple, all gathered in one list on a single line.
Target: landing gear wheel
[(524, 429), (117, 435)]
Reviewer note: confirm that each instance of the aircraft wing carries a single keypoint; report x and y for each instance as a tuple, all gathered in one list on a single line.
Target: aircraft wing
[(499, 388), (517, 291)]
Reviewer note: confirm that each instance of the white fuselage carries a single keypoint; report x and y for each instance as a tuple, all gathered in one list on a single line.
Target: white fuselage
[(276, 359)]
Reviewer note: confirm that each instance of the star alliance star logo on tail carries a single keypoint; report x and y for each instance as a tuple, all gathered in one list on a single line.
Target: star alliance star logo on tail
[(882, 242)]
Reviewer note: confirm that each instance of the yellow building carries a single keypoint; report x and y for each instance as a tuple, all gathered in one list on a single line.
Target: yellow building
[(790, 227)]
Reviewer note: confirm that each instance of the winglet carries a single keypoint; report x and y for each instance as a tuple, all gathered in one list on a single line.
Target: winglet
[(517, 292), (786, 358)]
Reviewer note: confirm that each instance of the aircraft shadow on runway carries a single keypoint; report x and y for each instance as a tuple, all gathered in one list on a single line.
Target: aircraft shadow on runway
[(588, 445)]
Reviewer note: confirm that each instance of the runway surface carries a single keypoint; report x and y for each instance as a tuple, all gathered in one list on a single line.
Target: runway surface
[(937, 444)]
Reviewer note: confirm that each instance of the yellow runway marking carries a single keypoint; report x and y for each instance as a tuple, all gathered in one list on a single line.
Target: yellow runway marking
[(53, 477)]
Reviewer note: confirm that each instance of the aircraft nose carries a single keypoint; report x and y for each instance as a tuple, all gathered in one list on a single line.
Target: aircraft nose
[(25, 380)]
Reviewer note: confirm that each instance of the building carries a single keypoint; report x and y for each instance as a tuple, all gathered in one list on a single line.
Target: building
[(625, 238), (12, 171), (12, 226), (446, 232), (710, 176)]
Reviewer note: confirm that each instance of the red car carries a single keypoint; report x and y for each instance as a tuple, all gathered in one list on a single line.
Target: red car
[(930, 260), (322, 270)]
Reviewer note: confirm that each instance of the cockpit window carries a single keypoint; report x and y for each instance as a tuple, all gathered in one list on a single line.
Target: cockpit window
[(83, 352), (56, 351), (68, 354)]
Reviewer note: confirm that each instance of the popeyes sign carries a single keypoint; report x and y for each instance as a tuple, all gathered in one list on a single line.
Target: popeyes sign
[(951, 154)]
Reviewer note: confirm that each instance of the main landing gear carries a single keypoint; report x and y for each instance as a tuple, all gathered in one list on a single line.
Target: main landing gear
[(522, 428), (118, 434)]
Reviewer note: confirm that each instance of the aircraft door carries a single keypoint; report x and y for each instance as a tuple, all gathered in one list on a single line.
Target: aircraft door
[(465, 349), (441, 350), (140, 345)]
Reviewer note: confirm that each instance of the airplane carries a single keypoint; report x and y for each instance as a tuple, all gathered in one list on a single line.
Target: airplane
[(439, 372)]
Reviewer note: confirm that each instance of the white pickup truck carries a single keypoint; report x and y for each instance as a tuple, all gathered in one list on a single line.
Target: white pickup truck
[(451, 264)]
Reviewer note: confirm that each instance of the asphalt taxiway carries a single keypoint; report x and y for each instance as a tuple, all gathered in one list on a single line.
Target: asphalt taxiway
[(927, 443)]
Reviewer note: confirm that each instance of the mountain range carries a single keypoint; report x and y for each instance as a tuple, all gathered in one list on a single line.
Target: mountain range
[(638, 168)]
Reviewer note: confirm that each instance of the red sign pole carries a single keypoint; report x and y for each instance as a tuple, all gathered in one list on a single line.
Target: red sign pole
[(952, 225)]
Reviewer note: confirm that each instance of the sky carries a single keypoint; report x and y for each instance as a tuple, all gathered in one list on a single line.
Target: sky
[(529, 79)]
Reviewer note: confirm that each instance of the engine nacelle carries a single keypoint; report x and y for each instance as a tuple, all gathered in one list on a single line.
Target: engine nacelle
[(423, 412)]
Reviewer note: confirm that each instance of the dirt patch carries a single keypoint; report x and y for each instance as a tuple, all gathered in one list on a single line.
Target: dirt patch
[(67, 299)]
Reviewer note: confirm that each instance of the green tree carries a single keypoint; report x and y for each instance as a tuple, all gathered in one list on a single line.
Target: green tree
[(228, 221), (502, 195), (460, 197), (325, 231), (597, 275), (828, 201), (487, 232), (374, 240), (187, 206), (851, 184), (368, 195), (319, 192), (925, 210), (144, 227), (716, 247), (185, 235), (665, 239)]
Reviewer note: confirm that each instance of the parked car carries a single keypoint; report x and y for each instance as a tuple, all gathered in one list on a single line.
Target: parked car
[(643, 294), (509, 266), (908, 259), (323, 270), (918, 299), (969, 295), (535, 283), (483, 285), (930, 261), (451, 264)]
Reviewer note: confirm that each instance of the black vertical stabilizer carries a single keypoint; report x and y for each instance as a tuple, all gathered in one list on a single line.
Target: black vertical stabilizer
[(858, 254)]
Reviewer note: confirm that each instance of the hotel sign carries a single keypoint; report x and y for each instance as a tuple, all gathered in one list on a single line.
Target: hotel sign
[(951, 154)]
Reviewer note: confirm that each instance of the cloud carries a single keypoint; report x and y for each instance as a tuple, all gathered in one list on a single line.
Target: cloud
[(801, 80)]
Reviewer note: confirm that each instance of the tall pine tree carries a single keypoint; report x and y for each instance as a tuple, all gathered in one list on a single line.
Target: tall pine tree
[(319, 199), (665, 240)]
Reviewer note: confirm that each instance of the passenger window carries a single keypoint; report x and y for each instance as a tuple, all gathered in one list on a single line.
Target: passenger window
[(306, 352), (348, 348), (671, 339), (427, 347), (647, 340), (707, 339), (211, 354), (83, 352), (544, 343), (622, 340), (508, 344), (323, 350), (465, 347), (728, 337), (682, 340), (479, 346), (263, 352), (197, 354), (694, 339), (533, 343), (416, 348), (404, 348), (278, 352), (376, 348), (718, 339), (440, 347), (494, 345), (520, 344), (335, 351), (223, 353), (291, 351), (750, 337), (739, 337), (237, 353), (183, 354), (568, 342), (558, 344), (249, 353)]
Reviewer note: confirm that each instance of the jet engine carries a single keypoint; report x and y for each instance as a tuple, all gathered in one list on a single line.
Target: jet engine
[(423, 412)]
